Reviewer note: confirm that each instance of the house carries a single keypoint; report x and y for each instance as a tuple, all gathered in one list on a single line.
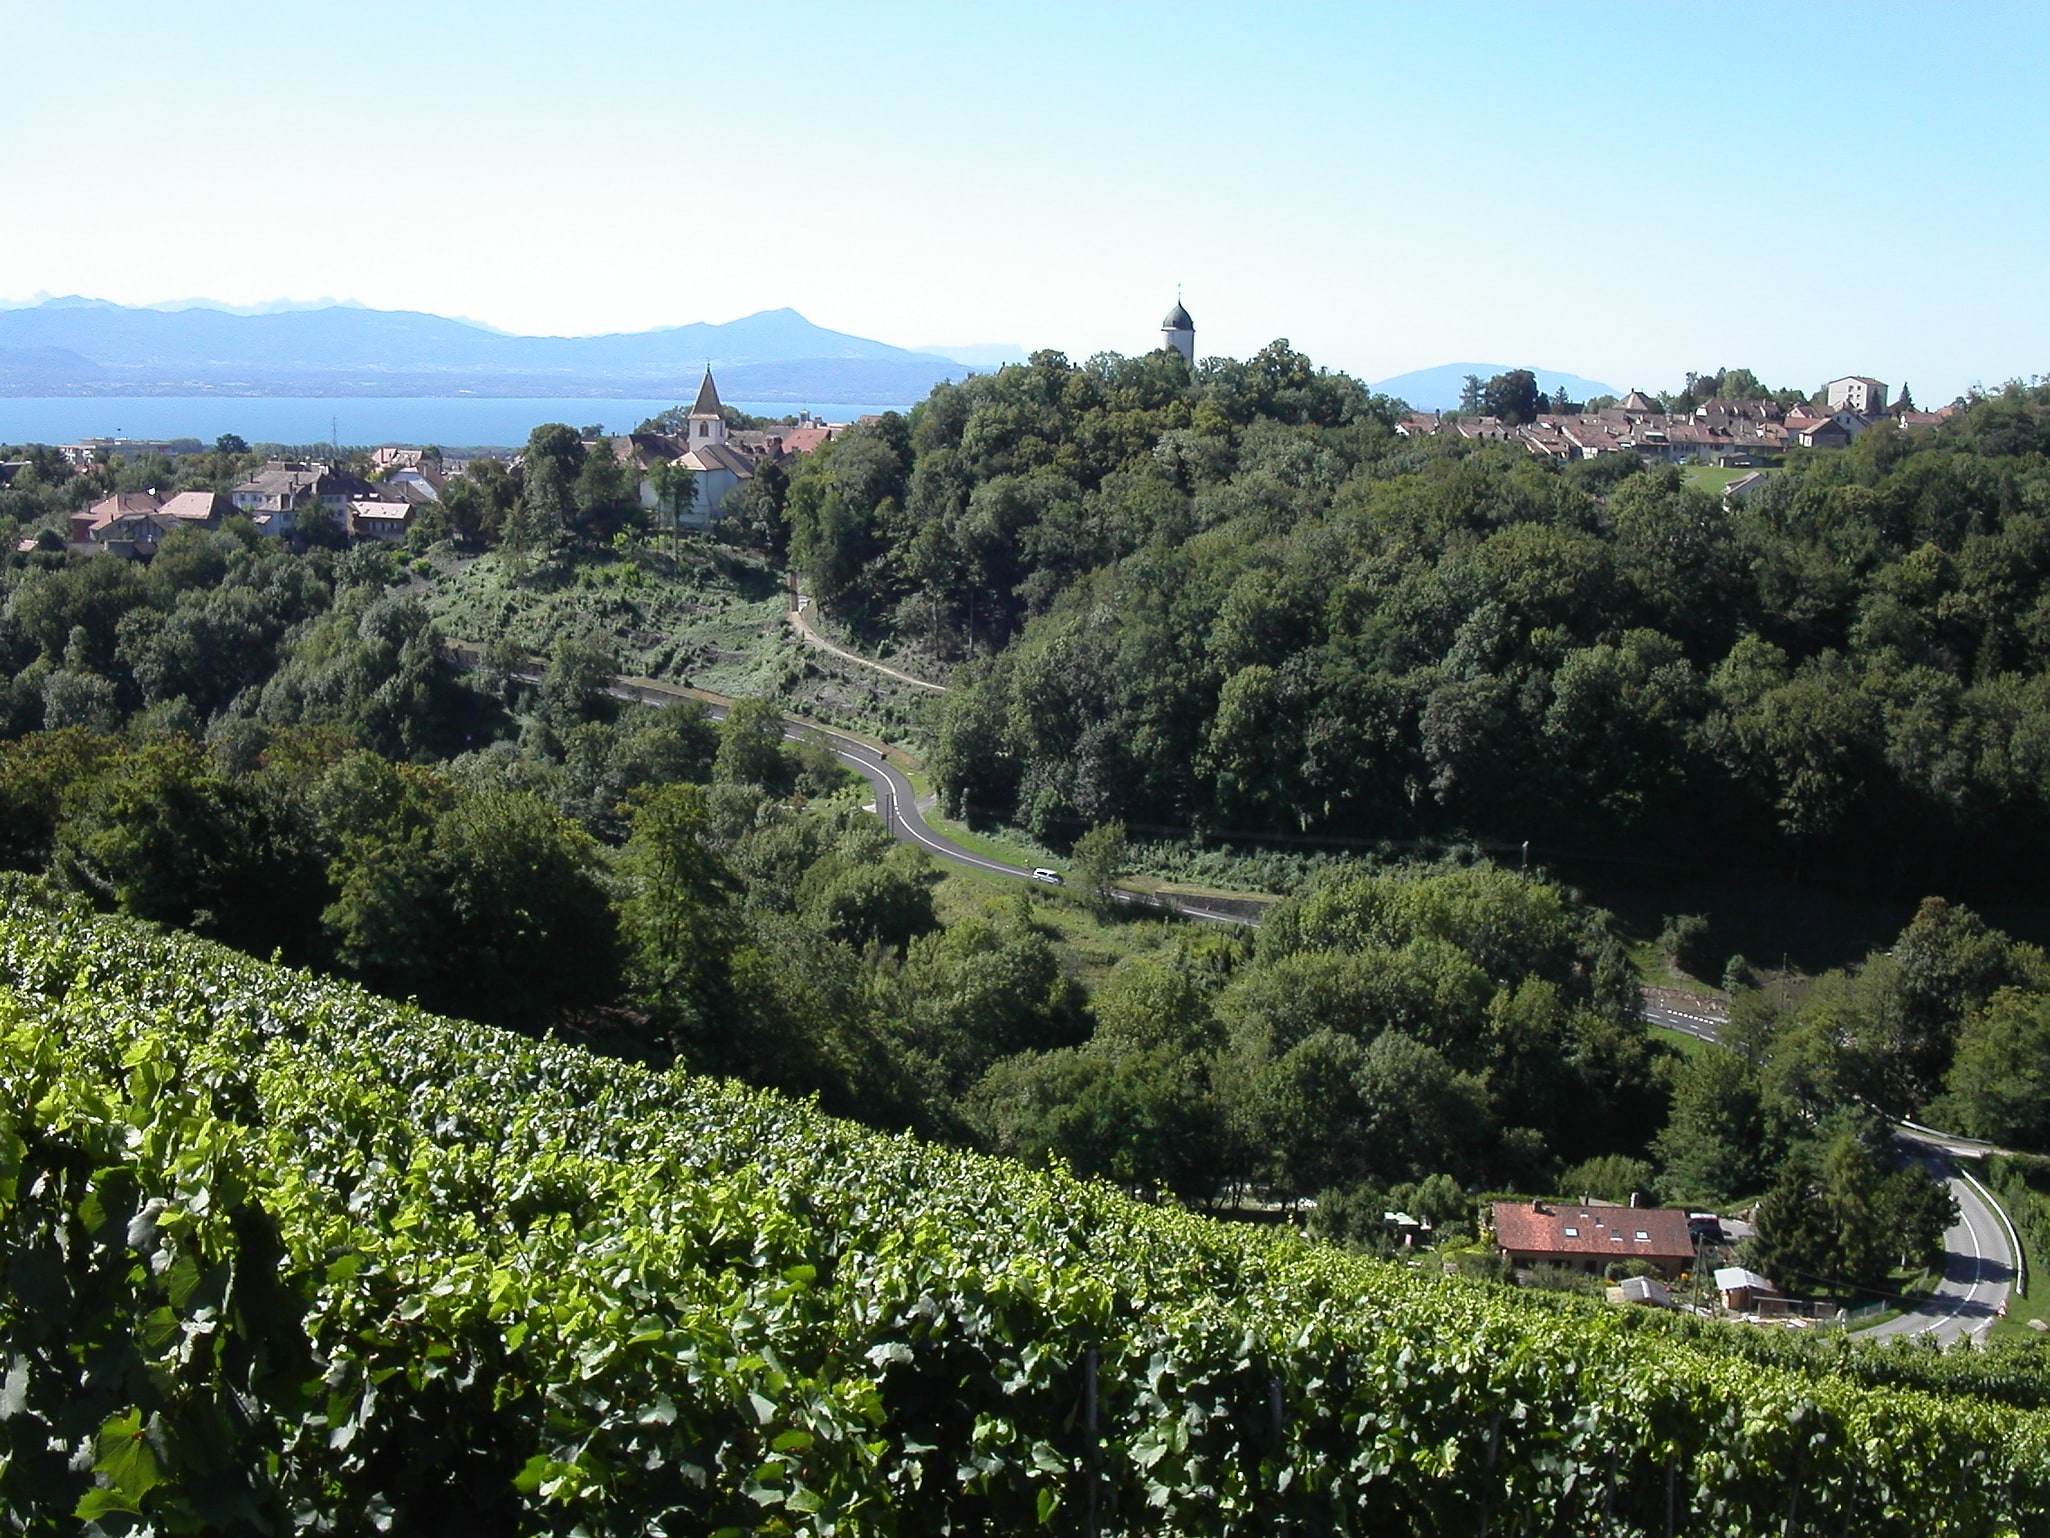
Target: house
[(389, 458), (387, 521), (804, 438), (1856, 393), (1591, 1237), (407, 486), (279, 487), (197, 509), (275, 495), (88, 527), (1742, 1290), (1828, 433), (1742, 487)]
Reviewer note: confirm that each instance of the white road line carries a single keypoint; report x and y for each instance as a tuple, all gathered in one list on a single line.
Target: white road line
[(1955, 1300)]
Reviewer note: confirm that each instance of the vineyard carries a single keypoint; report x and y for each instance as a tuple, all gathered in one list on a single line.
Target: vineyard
[(281, 1256)]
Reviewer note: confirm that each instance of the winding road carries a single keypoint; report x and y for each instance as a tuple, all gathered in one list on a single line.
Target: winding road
[(896, 802), (1978, 1260)]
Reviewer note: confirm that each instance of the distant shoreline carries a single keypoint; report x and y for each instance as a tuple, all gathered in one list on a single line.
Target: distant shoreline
[(467, 421)]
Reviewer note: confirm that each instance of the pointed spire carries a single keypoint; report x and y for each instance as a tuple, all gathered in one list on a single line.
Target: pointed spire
[(708, 398)]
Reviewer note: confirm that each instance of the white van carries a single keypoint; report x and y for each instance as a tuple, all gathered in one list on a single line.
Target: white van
[(1052, 877)]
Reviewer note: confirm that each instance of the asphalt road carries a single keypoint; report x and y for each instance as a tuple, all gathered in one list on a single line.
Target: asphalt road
[(1978, 1261), (896, 802), (1978, 1265)]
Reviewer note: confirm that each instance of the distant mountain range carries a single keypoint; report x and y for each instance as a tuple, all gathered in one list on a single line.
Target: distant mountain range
[(1437, 389), (90, 347), (75, 346)]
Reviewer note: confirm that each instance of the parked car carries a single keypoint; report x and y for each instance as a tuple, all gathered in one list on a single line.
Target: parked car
[(1051, 877)]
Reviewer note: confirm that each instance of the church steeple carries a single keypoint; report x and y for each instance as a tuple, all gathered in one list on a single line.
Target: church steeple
[(707, 422)]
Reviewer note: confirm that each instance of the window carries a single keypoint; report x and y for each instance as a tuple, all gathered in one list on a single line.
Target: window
[(1643, 1237), (1572, 1233)]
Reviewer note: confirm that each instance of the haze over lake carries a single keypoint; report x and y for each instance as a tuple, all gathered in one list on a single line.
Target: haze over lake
[(458, 422)]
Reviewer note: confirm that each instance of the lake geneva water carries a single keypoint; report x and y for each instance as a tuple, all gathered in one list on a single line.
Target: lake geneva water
[(453, 422)]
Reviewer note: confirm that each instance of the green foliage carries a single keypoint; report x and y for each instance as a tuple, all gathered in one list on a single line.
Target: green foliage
[(487, 899), (1684, 944), (751, 746), (1099, 858), (1235, 601), (1837, 1222), (1609, 1178), (281, 1254)]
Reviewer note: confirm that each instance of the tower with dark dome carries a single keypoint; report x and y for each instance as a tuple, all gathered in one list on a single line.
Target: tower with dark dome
[(1178, 331)]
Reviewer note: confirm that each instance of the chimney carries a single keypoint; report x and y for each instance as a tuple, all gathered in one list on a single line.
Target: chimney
[(1633, 1197)]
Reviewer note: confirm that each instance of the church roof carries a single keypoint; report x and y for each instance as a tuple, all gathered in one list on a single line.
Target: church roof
[(1178, 319), (720, 456), (708, 399)]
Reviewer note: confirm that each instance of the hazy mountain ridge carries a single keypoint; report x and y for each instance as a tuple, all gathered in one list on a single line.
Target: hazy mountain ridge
[(92, 347), (1437, 389)]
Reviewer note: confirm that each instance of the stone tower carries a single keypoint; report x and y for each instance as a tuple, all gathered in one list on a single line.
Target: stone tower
[(1178, 331)]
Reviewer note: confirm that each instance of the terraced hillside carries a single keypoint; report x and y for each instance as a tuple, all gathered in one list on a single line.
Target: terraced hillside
[(282, 1256)]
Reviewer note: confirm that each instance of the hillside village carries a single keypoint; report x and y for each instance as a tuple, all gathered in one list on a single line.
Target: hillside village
[(384, 506), (1723, 433)]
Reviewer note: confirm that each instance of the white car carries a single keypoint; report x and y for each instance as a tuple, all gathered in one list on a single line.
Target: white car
[(1052, 877)]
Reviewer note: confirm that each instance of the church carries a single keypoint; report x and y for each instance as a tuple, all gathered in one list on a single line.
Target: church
[(719, 465)]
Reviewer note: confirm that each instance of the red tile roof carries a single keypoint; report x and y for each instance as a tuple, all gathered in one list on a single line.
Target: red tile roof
[(1565, 1228)]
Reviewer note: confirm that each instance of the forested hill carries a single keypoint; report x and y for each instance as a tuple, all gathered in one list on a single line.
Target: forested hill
[(1235, 598)]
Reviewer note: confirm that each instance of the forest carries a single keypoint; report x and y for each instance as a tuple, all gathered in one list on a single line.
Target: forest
[(1235, 601)]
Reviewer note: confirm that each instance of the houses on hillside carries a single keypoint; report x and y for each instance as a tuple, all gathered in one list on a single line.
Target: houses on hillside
[(1728, 433)]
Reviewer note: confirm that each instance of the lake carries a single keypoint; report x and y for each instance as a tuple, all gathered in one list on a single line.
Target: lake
[(452, 422)]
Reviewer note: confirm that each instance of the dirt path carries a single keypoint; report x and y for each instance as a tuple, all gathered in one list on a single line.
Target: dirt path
[(798, 622)]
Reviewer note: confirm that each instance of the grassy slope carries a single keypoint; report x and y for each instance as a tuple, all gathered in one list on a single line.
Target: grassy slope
[(707, 619)]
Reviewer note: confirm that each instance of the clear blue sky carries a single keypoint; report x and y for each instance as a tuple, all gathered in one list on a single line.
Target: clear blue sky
[(1620, 191)]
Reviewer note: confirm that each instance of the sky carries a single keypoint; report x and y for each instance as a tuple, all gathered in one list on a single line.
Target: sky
[(1625, 192)]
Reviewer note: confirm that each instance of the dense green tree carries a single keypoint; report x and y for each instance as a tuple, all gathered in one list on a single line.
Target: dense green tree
[(1098, 859), (1837, 1221), (1998, 1084), (1715, 1146), (751, 746), (1512, 396)]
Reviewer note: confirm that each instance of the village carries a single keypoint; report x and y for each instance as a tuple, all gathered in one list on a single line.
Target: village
[(1725, 434), (385, 505)]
